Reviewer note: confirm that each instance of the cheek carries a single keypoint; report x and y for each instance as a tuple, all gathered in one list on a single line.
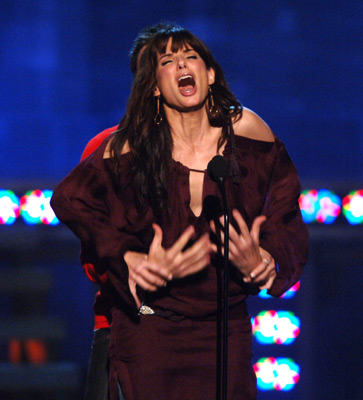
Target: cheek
[(163, 76), (165, 82)]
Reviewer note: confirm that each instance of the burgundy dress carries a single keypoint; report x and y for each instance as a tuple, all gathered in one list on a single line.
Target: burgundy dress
[(172, 354)]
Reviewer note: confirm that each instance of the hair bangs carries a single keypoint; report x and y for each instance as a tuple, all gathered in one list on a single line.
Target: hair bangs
[(181, 39)]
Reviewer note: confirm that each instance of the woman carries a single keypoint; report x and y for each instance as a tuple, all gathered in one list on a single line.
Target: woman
[(149, 214)]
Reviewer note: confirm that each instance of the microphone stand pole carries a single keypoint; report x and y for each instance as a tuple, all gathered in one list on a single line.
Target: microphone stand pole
[(217, 170), (225, 299)]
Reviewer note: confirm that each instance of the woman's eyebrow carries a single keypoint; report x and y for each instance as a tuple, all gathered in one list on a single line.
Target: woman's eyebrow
[(170, 54), (165, 55)]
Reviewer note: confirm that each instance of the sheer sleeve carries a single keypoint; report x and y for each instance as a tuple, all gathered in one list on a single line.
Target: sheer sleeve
[(83, 202), (284, 234)]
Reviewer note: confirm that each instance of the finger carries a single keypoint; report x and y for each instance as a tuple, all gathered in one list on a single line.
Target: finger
[(260, 272), (264, 253), (263, 279), (132, 286), (213, 227), (221, 230), (158, 238), (148, 279), (146, 285), (214, 248), (237, 239), (194, 258), (233, 235), (140, 280), (241, 223), (259, 276), (269, 282), (189, 268), (243, 241), (256, 227), (198, 265), (266, 264), (179, 245), (234, 253), (199, 249), (148, 266)]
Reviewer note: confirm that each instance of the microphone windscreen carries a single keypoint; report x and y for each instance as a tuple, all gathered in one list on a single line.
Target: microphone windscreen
[(217, 168)]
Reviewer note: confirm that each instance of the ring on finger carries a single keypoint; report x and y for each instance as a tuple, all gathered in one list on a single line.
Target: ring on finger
[(266, 261)]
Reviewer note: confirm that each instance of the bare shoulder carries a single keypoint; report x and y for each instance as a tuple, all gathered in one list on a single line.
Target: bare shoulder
[(107, 153), (250, 125)]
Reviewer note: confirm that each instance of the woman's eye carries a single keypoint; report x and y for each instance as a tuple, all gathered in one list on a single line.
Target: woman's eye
[(165, 62), (193, 57)]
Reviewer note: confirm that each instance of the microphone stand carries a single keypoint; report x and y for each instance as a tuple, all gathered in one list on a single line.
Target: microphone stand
[(217, 170), (225, 286)]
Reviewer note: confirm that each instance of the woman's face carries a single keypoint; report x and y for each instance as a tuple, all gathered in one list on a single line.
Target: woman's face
[(182, 78)]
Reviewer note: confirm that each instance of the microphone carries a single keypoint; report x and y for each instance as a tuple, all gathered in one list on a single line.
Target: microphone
[(217, 168)]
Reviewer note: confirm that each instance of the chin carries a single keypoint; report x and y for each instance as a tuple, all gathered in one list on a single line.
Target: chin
[(189, 106)]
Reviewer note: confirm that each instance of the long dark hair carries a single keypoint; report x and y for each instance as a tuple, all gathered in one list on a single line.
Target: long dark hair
[(143, 38), (151, 145)]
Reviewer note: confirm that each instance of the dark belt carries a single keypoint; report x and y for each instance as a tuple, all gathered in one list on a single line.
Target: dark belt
[(158, 312), (235, 312)]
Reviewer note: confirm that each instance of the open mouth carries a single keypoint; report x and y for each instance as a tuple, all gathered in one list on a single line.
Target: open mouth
[(186, 84)]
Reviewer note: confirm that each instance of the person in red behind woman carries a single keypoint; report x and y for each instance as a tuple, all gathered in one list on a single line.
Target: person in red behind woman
[(149, 214)]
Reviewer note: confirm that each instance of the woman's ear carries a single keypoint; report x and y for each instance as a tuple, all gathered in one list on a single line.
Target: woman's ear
[(157, 91), (211, 76)]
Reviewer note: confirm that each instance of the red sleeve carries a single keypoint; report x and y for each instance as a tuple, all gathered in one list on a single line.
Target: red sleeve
[(90, 271), (95, 142), (284, 234)]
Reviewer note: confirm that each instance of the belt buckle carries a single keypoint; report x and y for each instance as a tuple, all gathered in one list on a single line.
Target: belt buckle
[(146, 310)]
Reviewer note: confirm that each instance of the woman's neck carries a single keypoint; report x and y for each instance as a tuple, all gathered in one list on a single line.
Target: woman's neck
[(192, 128), (195, 141)]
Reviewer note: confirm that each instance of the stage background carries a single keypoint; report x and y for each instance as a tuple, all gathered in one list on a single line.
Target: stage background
[(64, 76)]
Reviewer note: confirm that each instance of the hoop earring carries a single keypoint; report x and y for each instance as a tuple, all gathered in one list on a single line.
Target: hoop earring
[(158, 118), (213, 109)]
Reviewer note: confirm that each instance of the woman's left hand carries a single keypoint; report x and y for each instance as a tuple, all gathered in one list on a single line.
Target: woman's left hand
[(255, 263)]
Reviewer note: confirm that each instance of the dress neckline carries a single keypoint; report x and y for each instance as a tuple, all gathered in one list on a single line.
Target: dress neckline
[(186, 169)]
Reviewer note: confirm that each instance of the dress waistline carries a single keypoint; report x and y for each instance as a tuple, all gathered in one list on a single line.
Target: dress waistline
[(235, 312)]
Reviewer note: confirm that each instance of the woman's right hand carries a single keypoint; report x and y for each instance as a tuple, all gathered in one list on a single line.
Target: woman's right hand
[(181, 263), (146, 274), (154, 270)]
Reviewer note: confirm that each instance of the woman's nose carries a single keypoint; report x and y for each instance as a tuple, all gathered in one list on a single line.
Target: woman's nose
[(181, 63)]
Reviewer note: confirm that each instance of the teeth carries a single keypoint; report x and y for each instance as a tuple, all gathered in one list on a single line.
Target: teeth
[(185, 77)]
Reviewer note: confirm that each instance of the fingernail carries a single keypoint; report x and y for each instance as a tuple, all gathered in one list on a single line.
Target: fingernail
[(170, 277), (252, 275)]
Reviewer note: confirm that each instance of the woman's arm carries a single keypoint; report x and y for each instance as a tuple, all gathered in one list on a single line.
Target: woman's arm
[(79, 202), (284, 234), (280, 232)]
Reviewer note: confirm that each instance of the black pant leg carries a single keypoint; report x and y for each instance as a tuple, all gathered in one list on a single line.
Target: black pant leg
[(97, 375)]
